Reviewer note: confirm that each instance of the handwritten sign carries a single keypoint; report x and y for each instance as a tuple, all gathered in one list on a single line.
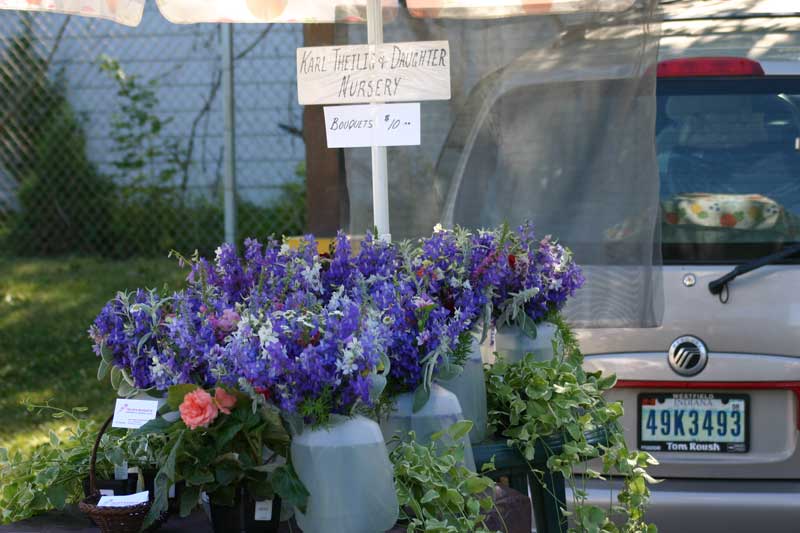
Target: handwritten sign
[(133, 414), (352, 126), (392, 72)]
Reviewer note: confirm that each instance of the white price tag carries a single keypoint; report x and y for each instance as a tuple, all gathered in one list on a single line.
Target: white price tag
[(133, 414), (106, 492), (352, 126), (264, 511), (124, 501)]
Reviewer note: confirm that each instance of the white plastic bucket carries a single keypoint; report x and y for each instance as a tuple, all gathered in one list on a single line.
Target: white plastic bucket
[(440, 412), (346, 469), (470, 389)]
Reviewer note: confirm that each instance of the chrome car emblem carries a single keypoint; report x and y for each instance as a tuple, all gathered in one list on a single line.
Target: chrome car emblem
[(689, 280), (688, 356)]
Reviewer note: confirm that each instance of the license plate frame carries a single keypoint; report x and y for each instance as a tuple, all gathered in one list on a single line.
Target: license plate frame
[(698, 445)]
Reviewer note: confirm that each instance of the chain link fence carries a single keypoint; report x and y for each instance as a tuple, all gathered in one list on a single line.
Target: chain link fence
[(111, 138)]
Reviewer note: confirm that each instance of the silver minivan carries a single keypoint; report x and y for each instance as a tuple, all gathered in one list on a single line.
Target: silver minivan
[(714, 392)]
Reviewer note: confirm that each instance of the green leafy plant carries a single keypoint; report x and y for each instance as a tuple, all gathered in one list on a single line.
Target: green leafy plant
[(436, 492), (155, 209), (223, 455), (62, 202), (529, 400), (51, 475), (145, 159)]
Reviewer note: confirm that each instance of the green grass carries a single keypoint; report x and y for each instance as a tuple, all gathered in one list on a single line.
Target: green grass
[(46, 306)]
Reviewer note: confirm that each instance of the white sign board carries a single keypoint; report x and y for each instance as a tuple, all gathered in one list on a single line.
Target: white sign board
[(133, 414), (391, 72), (352, 126)]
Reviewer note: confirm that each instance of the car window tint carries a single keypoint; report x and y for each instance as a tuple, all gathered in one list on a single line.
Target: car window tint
[(729, 163)]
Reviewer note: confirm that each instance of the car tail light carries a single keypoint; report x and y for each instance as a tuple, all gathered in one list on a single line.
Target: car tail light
[(694, 67), (792, 386)]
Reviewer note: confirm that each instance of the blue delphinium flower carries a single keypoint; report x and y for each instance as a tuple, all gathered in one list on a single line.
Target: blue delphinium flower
[(311, 331)]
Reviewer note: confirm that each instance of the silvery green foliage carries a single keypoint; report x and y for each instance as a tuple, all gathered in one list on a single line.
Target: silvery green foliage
[(50, 476), (437, 494)]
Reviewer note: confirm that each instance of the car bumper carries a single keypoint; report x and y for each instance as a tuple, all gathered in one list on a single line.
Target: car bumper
[(714, 506)]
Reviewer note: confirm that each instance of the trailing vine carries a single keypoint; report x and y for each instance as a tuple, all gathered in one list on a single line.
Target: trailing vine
[(436, 492), (529, 400)]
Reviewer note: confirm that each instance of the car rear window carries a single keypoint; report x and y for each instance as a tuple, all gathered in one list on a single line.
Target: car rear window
[(729, 163)]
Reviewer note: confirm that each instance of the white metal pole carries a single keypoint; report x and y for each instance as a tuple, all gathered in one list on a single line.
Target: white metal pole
[(380, 178), (229, 109)]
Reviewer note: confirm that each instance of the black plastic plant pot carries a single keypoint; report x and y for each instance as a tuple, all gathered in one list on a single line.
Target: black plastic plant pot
[(226, 518), (120, 487), (254, 525), (243, 517)]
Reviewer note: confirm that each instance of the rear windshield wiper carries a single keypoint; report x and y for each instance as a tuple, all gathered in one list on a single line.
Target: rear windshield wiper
[(718, 285)]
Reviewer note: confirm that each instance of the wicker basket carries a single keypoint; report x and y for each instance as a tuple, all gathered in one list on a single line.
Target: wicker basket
[(114, 519)]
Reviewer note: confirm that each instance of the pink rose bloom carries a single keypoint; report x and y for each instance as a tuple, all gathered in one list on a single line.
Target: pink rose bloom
[(198, 409), (224, 401)]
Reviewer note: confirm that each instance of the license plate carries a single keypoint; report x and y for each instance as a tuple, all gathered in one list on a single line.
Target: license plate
[(701, 422)]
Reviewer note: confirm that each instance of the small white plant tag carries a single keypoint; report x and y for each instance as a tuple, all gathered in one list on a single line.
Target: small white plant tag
[(121, 471), (264, 510)]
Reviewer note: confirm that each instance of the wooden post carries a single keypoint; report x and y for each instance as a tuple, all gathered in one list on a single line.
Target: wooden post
[(326, 186)]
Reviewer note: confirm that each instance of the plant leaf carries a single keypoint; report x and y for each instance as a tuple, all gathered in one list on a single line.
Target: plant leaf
[(460, 429), (164, 478), (477, 484), (190, 496), (227, 472), (227, 433), (102, 370), (450, 371), (106, 354), (125, 389), (177, 393), (57, 494), (429, 496), (157, 425), (376, 386), (116, 378), (421, 397), (289, 487), (199, 477), (607, 382)]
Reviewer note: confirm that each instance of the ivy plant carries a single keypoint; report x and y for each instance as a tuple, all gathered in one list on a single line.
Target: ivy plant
[(51, 475), (529, 400), (436, 492)]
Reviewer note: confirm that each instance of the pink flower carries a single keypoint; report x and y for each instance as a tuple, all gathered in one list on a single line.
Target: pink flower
[(225, 323), (198, 409), (224, 401), (228, 320)]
